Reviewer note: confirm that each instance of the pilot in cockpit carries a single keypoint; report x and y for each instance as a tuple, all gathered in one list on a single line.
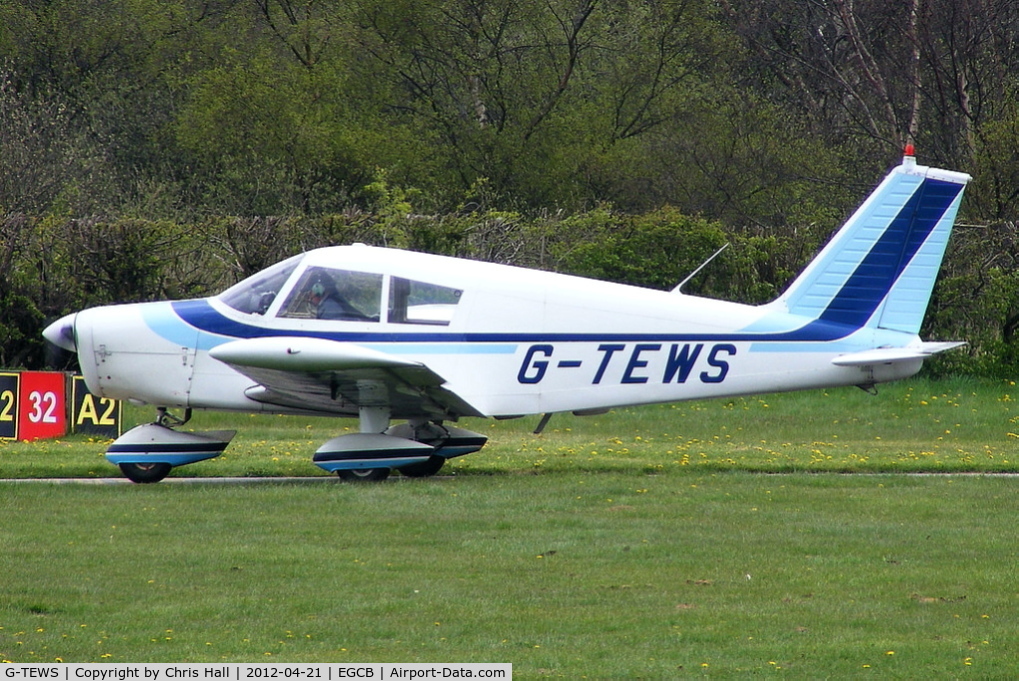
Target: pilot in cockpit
[(329, 304)]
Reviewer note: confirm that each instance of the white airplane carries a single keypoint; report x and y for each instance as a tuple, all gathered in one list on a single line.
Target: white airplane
[(385, 334)]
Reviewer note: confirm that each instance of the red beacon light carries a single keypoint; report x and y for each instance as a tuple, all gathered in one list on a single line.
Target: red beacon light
[(909, 155)]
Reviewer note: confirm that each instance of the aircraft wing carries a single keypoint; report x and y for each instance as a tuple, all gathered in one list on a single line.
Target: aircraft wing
[(892, 355), (336, 377)]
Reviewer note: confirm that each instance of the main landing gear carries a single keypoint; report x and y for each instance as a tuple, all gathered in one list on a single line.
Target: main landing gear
[(417, 449), (364, 474)]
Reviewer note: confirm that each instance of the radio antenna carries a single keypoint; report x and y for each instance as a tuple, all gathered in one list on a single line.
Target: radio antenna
[(702, 266)]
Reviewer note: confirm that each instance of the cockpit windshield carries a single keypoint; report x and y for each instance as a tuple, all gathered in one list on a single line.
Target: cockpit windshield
[(326, 293), (255, 294)]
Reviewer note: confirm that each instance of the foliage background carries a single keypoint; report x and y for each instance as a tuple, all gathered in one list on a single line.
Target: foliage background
[(167, 148)]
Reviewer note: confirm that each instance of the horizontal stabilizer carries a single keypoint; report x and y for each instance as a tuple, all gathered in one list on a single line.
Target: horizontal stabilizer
[(893, 355)]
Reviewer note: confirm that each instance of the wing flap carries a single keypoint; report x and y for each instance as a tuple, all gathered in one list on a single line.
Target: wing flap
[(893, 355), (314, 374)]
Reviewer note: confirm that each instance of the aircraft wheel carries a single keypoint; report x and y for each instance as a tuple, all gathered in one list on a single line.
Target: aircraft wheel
[(145, 472), (425, 468), (364, 474)]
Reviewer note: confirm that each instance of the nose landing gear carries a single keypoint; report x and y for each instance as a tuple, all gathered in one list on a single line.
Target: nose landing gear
[(147, 453)]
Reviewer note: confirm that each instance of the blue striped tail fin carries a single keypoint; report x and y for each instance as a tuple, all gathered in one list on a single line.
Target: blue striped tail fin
[(880, 268)]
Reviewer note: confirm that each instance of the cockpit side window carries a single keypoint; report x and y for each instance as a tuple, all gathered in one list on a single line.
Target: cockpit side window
[(324, 293), (415, 302), (255, 294)]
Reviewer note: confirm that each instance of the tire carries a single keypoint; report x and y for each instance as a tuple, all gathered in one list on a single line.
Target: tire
[(145, 472), (425, 469), (364, 474)]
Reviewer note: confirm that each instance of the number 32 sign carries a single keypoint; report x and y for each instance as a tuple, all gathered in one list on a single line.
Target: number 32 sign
[(43, 405)]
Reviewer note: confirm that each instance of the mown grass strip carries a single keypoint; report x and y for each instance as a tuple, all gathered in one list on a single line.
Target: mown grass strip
[(603, 574)]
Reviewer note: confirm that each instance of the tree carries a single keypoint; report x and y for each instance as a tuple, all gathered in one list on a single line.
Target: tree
[(533, 96)]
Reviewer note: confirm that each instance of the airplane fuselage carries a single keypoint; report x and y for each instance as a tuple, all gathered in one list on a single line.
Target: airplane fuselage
[(517, 342)]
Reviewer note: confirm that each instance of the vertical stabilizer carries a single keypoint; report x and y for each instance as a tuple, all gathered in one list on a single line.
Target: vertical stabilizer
[(879, 269)]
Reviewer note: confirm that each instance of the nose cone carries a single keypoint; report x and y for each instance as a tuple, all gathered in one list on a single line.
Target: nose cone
[(61, 333)]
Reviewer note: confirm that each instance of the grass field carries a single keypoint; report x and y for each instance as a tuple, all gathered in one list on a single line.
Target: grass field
[(640, 544)]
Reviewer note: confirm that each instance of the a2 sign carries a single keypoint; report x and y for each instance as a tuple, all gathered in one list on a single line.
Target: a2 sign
[(46, 404)]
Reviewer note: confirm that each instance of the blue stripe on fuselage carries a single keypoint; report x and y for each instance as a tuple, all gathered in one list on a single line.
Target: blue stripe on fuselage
[(199, 314)]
